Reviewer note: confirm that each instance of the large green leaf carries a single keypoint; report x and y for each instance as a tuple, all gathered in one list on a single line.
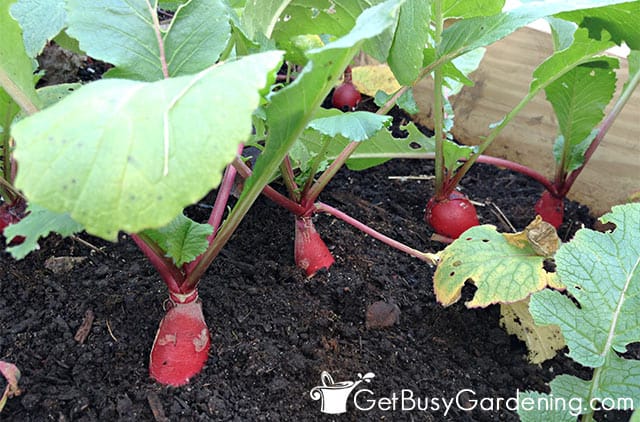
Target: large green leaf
[(183, 239), (469, 34), (504, 268), (406, 54), (619, 20), (123, 33), (38, 223), (16, 69), (126, 155), (579, 98), (41, 21), (599, 314)]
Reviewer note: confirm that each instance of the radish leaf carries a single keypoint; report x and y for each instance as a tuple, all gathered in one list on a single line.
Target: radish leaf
[(469, 34), (153, 149), (599, 314), (291, 108), (41, 21), (619, 20), (379, 148), (261, 16), (16, 69), (123, 33), (505, 268), (183, 239), (411, 36), (579, 98), (356, 126), (38, 223)]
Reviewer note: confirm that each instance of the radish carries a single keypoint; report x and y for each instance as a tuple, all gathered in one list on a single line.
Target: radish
[(311, 253), (550, 208), (182, 343), (346, 97), (451, 216), (11, 213)]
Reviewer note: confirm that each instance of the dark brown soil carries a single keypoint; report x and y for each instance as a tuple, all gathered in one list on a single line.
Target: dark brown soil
[(273, 331)]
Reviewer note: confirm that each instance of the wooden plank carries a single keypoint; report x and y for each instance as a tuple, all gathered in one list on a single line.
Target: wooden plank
[(501, 82)]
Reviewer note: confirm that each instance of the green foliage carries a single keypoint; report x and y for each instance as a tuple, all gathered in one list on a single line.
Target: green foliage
[(16, 69), (183, 239), (357, 126), (468, 9), (125, 34), (503, 268), (469, 34), (38, 224), (41, 21), (292, 107), (619, 20), (599, 314), (153, 149), (377, 149), (406, 54), (579, 98)]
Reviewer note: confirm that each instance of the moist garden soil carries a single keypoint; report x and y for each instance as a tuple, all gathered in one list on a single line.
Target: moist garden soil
[(273, 330)]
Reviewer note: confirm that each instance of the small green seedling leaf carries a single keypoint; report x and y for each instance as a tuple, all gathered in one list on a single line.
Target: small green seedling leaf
[(579, 98), (454, 153), (599, 314), (37, 224), (356, 126), (543, 342), (41, 21), (153, 148), (505, 268), (12, 374), (183, 239), (124, 34)]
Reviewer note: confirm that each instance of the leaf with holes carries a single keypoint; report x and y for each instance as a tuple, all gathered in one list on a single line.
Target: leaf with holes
[(153, 148), (543, 342), (503, 271), (598, 315)]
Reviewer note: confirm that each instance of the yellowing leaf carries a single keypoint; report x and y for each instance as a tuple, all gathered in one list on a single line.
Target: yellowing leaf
[(539, 234), (373, 78), (503, 271), (542, 341)]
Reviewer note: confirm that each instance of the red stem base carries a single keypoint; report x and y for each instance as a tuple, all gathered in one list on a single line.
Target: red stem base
[(311, 253), (182, 343)]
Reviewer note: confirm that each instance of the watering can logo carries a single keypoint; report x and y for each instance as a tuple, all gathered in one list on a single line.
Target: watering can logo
[(334, 395)]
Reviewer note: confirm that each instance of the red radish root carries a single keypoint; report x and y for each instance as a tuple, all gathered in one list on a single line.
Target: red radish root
[(11, 213), (311, 253), (181, 346), (346, 97), (452, 216), (550, 208)]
